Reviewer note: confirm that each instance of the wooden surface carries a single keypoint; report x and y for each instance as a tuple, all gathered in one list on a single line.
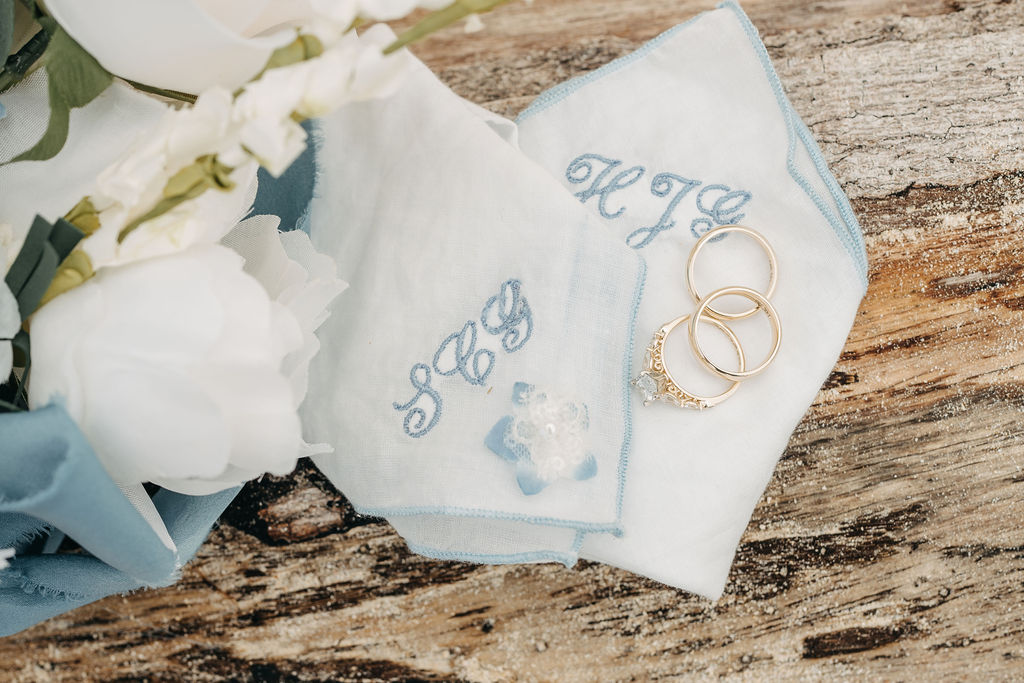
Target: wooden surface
[(889, 543)]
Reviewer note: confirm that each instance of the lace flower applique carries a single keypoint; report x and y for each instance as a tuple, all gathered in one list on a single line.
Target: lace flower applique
[(546, 438)]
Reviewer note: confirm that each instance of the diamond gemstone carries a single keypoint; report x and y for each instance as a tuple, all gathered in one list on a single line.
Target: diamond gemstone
[(647, 386)]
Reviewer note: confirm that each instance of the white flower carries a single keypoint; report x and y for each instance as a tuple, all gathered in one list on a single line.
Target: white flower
[(173, 369), (10, 323), (192, 45), (296, 276), (203, 220), (135, 182), (10, 245), (352, 70), (5, 554), (186, 45)]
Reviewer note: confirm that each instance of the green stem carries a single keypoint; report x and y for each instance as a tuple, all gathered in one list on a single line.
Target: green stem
[(169, 94)]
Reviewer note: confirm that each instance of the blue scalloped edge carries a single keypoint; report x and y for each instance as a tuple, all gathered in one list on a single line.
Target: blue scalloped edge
[(568, 559), (581, 528), (845, 226)]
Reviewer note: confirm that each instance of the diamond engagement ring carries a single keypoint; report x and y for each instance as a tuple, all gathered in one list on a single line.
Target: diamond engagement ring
[(656, 383)]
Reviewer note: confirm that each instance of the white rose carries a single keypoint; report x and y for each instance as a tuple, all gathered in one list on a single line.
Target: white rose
[(10, 323), (172, 368)]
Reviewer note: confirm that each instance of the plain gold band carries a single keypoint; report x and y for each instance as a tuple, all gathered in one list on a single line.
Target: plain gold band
[(712, 234), (760, 302)]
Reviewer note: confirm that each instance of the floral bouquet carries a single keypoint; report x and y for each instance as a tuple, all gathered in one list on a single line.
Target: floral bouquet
[(158, 297)]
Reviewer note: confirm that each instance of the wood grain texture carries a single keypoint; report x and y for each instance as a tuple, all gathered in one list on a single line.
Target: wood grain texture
[(889, 544)]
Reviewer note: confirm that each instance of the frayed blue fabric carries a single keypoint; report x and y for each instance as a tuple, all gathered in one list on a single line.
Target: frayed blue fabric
[(50, 479), (288, 196)]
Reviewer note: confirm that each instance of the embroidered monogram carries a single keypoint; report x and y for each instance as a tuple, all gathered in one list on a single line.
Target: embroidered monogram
[(715, 204), (582, 168), (416, 423), (507, 314)]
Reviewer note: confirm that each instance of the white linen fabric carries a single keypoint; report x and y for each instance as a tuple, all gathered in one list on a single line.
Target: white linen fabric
[(690, 132), (477, 367)]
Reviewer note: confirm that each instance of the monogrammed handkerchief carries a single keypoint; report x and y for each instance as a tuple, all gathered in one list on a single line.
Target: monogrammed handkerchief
[(690, 132), (478, 367)]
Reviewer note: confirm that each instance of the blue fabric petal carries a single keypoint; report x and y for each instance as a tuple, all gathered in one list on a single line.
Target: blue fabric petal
[(526, 475), (586, 469), (18, 530), (48, 472), (519, 391), (495, 439)]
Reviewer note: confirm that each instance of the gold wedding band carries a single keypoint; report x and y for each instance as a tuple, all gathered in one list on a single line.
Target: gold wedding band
[(712, 234), (703, 312), (656, 383)]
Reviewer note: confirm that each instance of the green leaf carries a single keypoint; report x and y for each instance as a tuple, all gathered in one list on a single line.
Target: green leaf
[(304, 47), (75, 80), (73, 271), (6, 26), (29, 255), (38, 282), (64, 237), (205, 173), (84, 216), (48, 253), (435, 21)]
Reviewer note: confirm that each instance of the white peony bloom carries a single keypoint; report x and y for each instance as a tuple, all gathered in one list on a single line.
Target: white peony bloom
[(10, 245), (173, 369), (296, 276), (10, 323)]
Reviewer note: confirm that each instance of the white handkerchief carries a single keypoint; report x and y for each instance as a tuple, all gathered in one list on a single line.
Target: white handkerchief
[(477, 368), (690, 132)]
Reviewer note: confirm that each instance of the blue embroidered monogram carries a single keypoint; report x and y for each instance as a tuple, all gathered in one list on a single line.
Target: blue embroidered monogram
[(660, 187), (513, 315), (508, 314), (721, 212), (545, 437), (725, 208), (465, 350), (582, 167), (416, 417)]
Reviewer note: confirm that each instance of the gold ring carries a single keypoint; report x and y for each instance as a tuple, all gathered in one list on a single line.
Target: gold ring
[(710, 235), (656, 383), (760, 302)]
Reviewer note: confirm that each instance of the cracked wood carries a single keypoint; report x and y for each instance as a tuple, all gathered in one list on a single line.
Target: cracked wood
[(889, 543)]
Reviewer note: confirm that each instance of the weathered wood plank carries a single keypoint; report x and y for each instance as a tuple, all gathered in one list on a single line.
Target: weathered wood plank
[(889, 544)]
